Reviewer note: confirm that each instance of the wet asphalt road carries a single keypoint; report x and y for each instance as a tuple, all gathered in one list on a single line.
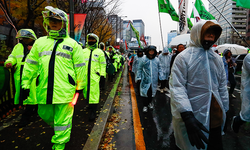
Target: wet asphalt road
[(158, 132)]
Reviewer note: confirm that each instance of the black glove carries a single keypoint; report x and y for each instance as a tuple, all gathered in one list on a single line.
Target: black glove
[(194, 128), (24, 94), (237, 122), (79, 91)]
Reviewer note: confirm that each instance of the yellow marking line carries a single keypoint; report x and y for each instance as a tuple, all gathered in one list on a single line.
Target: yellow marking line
[(139, 138)]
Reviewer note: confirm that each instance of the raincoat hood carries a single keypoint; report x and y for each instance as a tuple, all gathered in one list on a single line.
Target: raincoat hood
[(198, 31), (94, 45), (225, 52), (140, 52), (58, 14), (151, 48), (102, 46), (165, 50), (26, 33)]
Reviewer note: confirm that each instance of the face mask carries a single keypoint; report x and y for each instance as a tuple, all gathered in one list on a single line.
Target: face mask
[(207, 44), (140, 54), (91, 43), (31, 43)]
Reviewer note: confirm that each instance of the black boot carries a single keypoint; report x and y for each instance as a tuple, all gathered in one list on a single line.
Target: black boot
[(92, 111)]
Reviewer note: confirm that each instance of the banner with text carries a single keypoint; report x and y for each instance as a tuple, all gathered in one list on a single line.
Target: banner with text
[(79, 20), (183, 9)]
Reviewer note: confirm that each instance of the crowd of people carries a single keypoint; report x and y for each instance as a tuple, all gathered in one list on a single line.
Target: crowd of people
[(197, 77), (51, 71)]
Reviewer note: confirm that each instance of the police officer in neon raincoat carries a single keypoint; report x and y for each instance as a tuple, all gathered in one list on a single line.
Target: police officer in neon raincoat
[(56, 61), (17, 59), (111, 53), (149, 69), (95, 61), (198, 88), (165, 60), (102, 80), (244, 115)]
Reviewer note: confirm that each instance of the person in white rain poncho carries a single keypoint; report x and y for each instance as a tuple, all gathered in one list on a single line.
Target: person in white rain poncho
[(165, 59), (245, 96), (198, 88), (149, 69), (136, 62)]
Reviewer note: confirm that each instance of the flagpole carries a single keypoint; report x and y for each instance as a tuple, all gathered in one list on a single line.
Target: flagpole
[(222, 10), (160, 26), (230, 24)]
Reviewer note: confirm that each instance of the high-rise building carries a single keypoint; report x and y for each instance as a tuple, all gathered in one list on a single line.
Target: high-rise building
[(139, 26), (248, 26), (148, 40), (237, 16), (129, 35), (127, 32), (116, 23)]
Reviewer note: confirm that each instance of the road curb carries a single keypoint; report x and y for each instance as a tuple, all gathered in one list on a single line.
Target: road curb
[(95, 137)]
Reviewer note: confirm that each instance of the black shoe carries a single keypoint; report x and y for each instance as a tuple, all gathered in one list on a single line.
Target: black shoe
[(92, 111), (92, 116), (232, 96), (236, 123)]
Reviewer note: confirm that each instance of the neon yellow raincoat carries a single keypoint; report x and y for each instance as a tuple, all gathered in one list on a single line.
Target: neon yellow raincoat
[(16, 58), (95, 68), (57, 61)]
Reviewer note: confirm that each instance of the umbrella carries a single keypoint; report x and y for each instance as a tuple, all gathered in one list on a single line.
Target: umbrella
[(180, 39), (234, 48)]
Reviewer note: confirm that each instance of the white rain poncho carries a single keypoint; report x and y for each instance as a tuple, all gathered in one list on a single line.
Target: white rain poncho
[(135, 64), (245, 90), (148, 72), (165, 63), (196, 74)]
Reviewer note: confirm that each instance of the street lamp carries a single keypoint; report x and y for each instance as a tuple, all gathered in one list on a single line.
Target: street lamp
[(71, 16)]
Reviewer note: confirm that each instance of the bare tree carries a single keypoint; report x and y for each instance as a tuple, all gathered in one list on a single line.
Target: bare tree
[(97, 12)]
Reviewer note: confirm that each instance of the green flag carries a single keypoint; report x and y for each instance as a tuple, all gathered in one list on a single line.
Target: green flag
[(136, 34), (166, 7), (204, 14), (190, 24), (243, 3)]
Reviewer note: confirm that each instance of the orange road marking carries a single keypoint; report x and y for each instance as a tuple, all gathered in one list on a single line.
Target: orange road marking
[(139, 138)]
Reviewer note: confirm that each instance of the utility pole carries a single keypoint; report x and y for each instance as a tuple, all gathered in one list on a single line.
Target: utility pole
[(71, 16)]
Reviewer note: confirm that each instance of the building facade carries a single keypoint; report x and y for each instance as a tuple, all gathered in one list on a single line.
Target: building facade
[(237, 16), (148, 40), (248, 26), (139, 26)]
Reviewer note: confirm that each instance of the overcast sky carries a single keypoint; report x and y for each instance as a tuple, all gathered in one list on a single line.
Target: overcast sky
[(147, 10)]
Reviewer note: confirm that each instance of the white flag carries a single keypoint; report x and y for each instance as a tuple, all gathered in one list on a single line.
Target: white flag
[(183, 9), (196, 14)]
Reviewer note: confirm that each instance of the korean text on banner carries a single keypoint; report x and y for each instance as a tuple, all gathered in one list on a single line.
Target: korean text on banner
[(79, 20), (183, 9)]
